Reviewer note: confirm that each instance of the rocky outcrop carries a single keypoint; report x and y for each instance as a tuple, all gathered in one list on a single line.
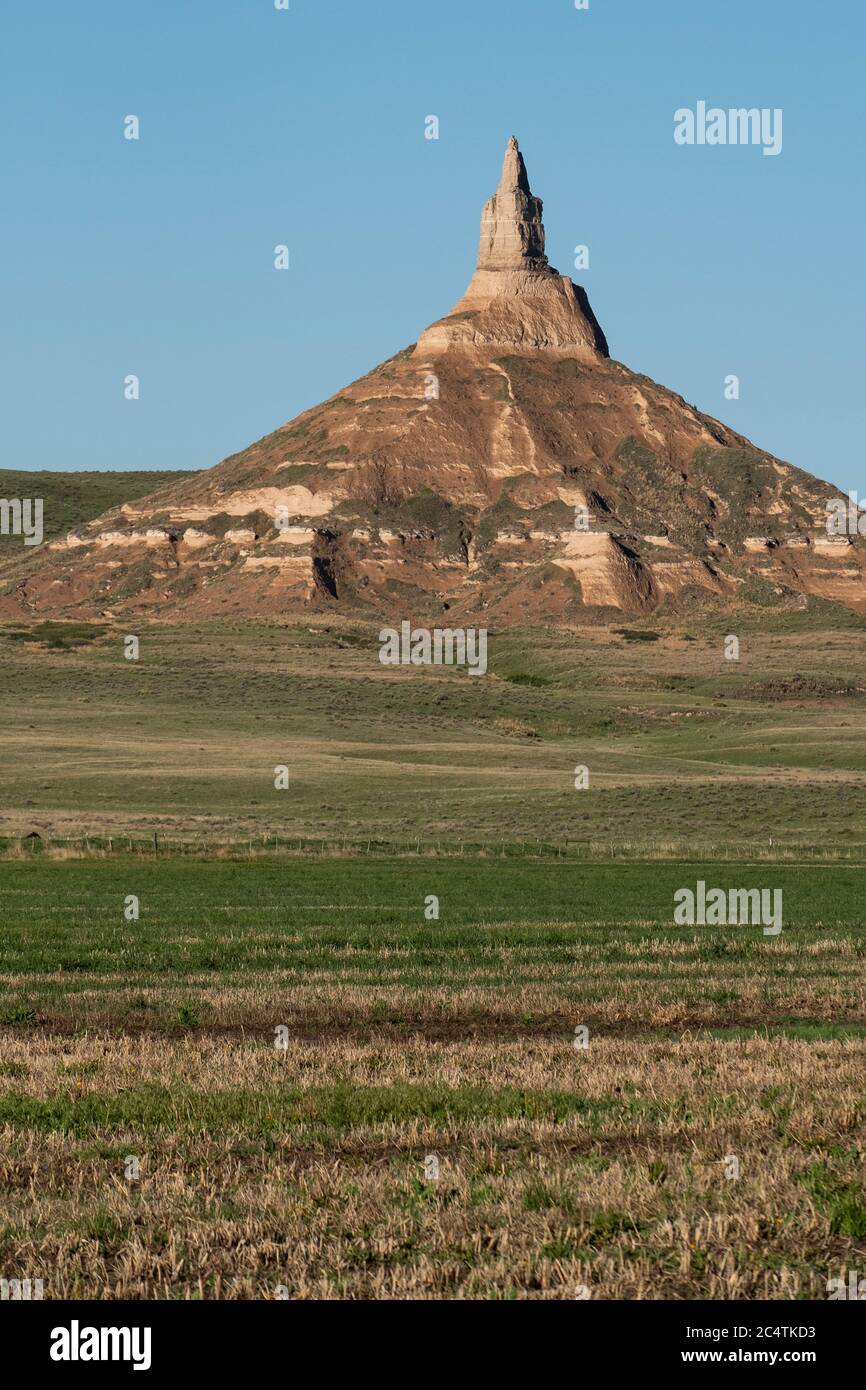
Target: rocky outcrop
[(515, 297), (512, 231), (504, 467)]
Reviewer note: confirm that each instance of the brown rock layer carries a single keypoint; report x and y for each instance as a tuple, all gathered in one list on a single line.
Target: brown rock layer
[(503, 466)]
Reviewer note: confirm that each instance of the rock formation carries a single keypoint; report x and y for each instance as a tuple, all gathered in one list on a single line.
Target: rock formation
[(515, 298), (503, 466), (512, 232)]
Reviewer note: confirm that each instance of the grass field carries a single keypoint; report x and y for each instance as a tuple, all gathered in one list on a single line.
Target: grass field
[(709, 1141), (563, 1172), (683, 747)]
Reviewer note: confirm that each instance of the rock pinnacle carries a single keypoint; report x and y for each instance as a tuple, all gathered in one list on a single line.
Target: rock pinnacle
[(512, 232), (515, 297)]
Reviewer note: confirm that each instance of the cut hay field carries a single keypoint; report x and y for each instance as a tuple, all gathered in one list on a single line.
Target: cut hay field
[(155, 1142)]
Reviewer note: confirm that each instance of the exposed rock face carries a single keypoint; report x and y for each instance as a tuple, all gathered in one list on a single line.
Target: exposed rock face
[(512, 232), (515, 298), (504, 467)]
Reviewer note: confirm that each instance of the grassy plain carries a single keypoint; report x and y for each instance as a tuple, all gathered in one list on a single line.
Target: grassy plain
[(683, 747), (710, 1140)]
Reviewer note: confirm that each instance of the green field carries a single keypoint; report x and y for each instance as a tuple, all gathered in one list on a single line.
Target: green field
[(685, 751), (518, 929), (563, 1172), (430, 1129)]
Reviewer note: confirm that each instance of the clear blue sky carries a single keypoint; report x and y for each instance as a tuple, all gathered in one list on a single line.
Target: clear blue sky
[(261, 127)]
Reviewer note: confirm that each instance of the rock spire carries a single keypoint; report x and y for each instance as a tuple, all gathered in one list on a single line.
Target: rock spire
[(512, 232), (515, 297)]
